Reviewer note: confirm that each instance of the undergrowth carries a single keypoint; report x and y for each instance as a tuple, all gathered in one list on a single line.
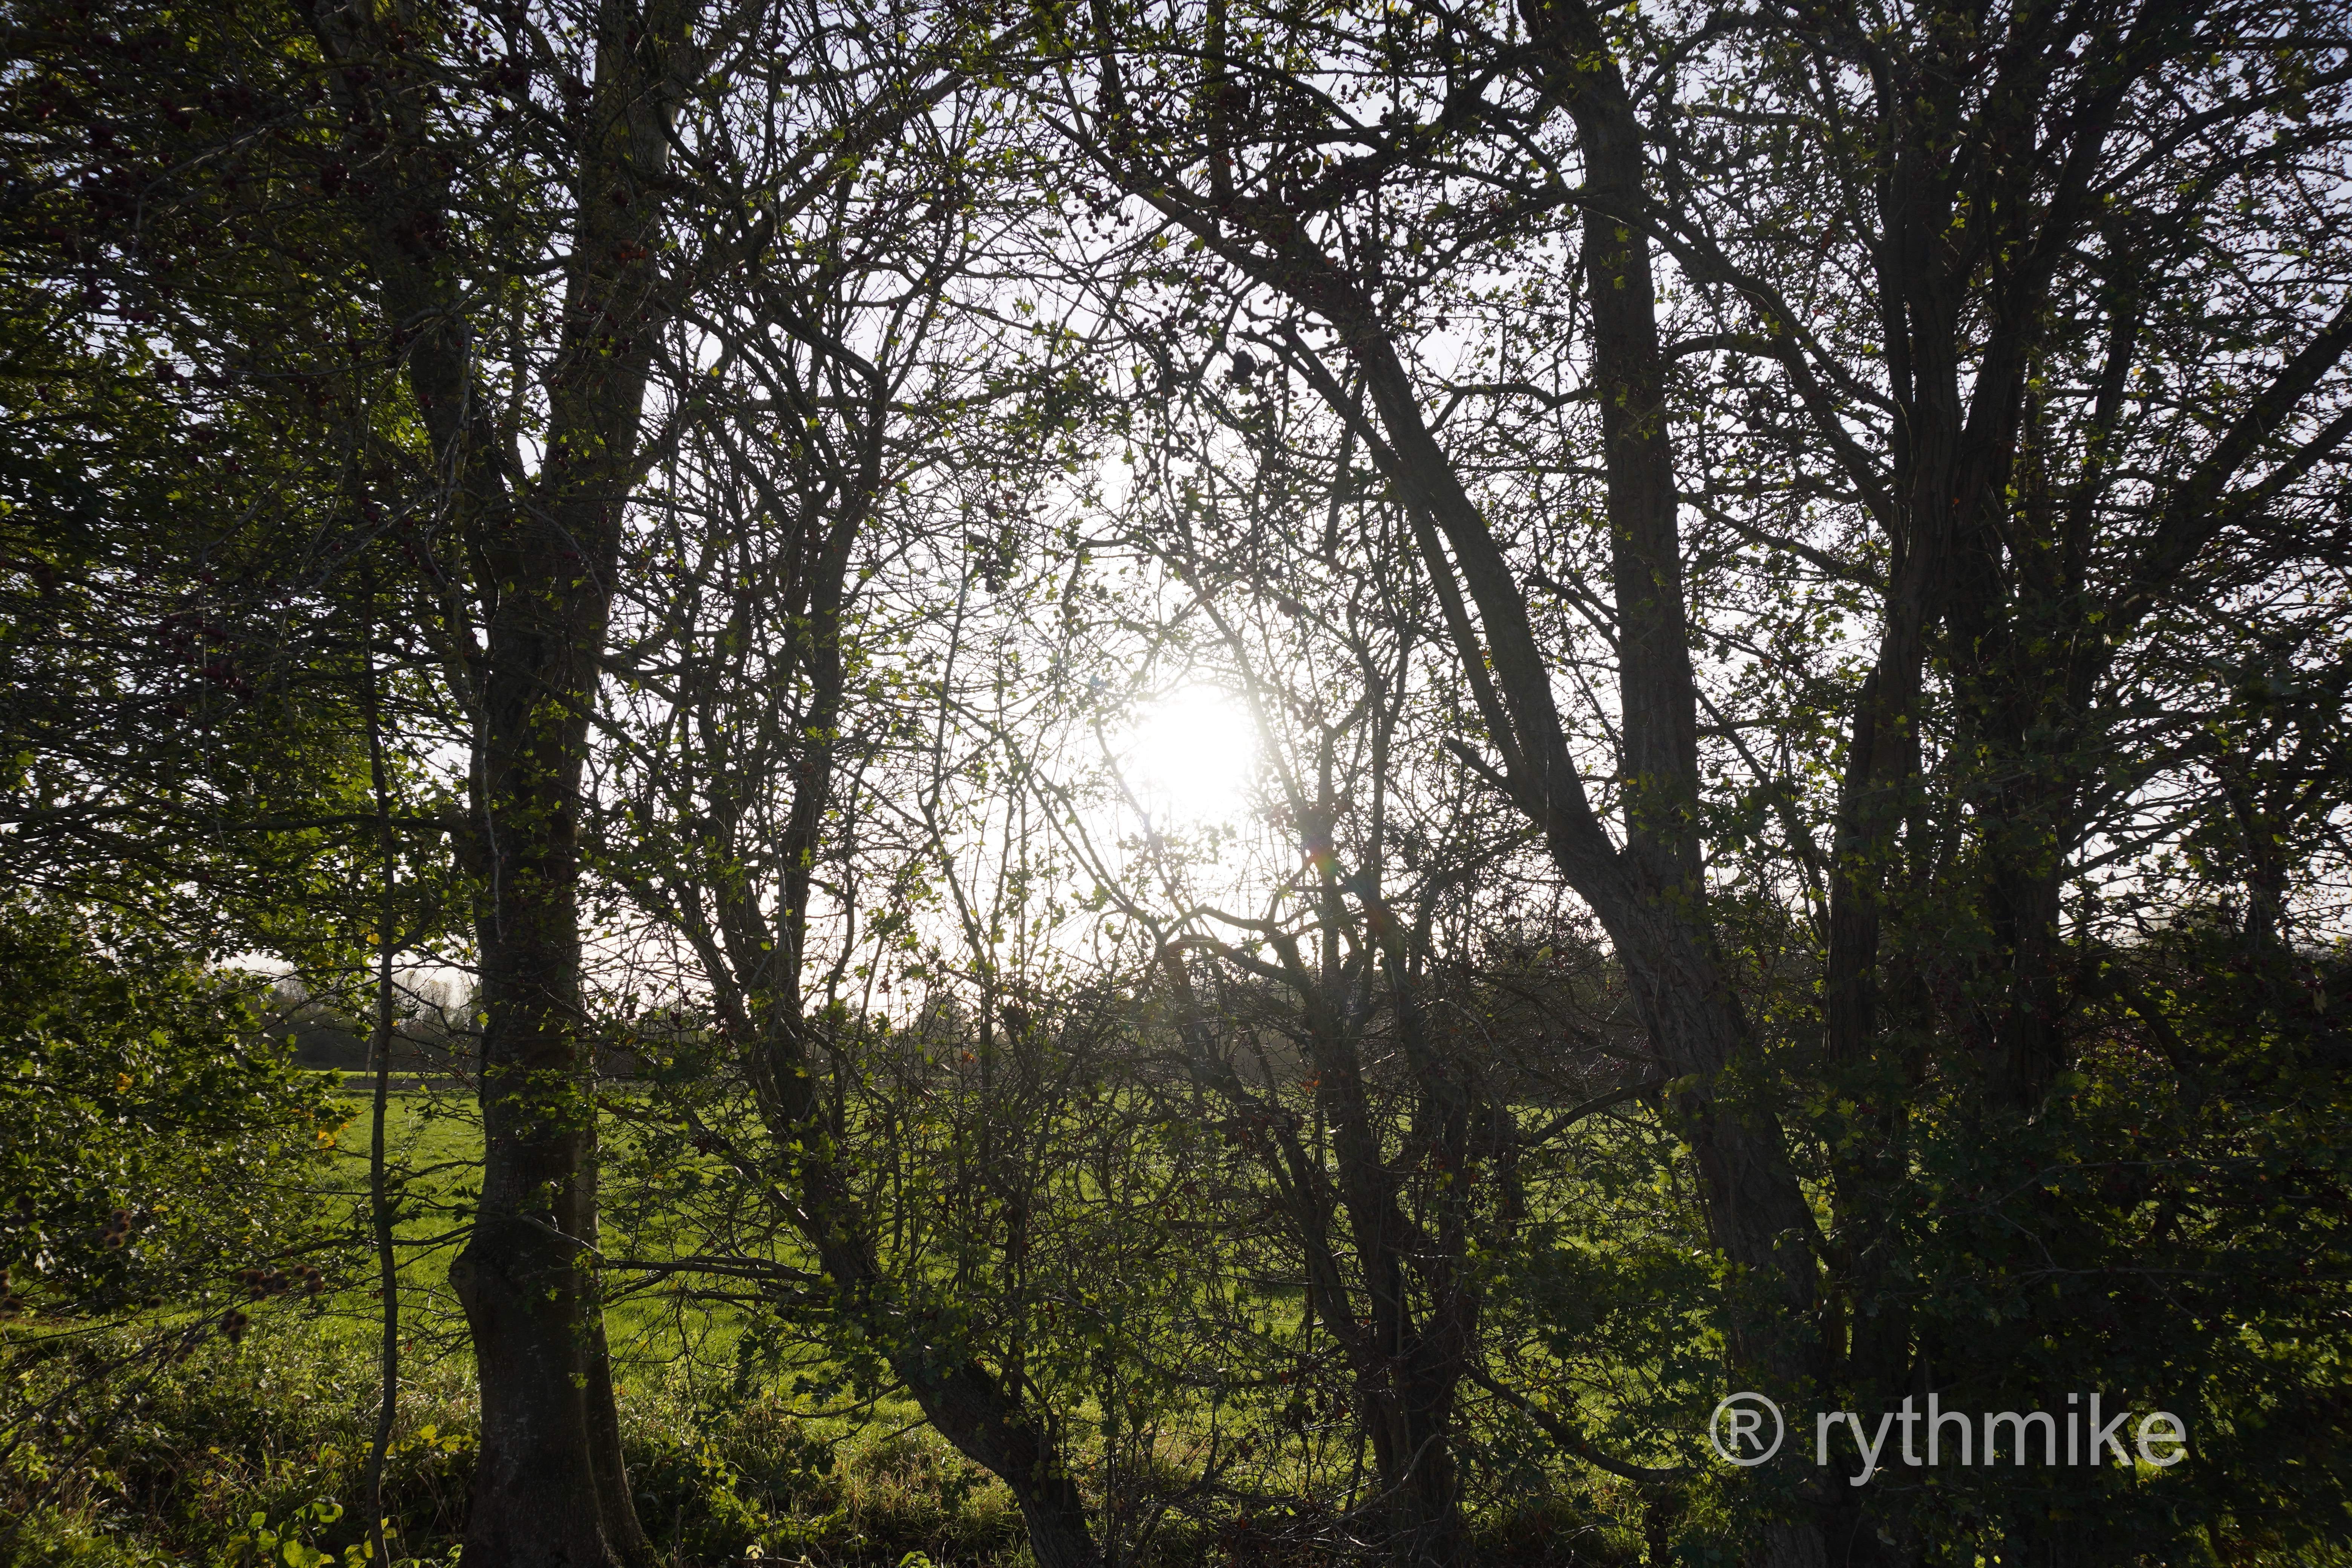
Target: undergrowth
[(252, 1454)]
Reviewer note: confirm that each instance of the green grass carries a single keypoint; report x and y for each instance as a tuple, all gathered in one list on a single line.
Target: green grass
[(432, 1143), (272, 1435), (276, 1431), (240, 1449)]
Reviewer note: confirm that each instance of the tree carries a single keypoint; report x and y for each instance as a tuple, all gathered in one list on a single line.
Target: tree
[(776, 746), (2068, 404), (1373, 176), (182, 418), (1329, 215), (585, 168)]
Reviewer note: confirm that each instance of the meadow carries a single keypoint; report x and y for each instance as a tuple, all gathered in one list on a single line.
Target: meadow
[(254, 1453)]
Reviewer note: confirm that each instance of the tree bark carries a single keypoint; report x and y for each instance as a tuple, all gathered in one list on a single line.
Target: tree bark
[(540, 1495), (380, 1213)]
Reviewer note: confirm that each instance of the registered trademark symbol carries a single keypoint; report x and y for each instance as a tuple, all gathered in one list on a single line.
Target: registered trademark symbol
[(1737, 1428)]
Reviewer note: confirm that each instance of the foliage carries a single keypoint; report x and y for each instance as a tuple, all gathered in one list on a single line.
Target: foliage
[(236, 1446), (1781, 577), (150, 1141)]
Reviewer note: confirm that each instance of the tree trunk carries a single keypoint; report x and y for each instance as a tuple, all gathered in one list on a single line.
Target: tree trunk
[(993, 1432), (987, 1423), (550, 1488), (547, 1489)]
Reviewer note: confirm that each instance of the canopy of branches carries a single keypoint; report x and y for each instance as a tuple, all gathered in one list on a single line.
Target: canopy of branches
[(1301, 764)]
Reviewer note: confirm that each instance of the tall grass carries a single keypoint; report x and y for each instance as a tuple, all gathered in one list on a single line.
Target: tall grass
[(236, 1451)]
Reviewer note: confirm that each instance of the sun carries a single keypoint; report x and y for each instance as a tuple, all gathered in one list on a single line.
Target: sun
[(1189, 755)]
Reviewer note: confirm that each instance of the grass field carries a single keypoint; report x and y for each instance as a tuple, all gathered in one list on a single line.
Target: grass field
[(433, 1144), (254, 1453)]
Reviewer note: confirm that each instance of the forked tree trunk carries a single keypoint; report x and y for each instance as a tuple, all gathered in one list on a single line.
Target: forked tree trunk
[(549, 1489)]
